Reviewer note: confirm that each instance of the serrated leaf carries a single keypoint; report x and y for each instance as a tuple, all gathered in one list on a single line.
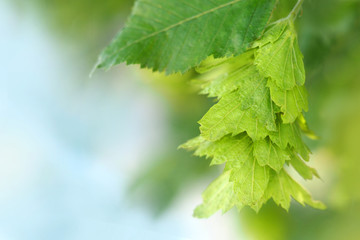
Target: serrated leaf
[(290, 135), (219, 195), (235, 149), (282, 187), (226, 117), (268, 153), (174, 35), (281, 60), (197, 144), (229, 80), (249, 110), (250, 182), (292, 102), (250, 103), (304, 170)]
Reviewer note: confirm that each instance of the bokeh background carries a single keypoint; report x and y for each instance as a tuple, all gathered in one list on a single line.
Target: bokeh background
[(96, 158)]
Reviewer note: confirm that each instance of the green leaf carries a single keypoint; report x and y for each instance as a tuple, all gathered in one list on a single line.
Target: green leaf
[(268, 153), (290, 135), (174, 35), (250, 182), (228, 80), (282, 187), (219, 195), (281, 59), (256, 125), (226, 117), (292, 102), (304, 170), (197, 144), (249, 109), (226, 63), (236, 150), (272, 34)]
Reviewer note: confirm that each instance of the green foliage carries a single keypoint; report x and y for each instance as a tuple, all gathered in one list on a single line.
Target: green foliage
[(282, 187), (292, 102), (219, 195), (253, 127), (230, 116), (279, 44), (329, 39), (268, 153), (176, 35)]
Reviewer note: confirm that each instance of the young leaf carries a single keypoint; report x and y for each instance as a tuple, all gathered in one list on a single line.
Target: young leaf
[(271, 35), (250, 182), (269, 135), (281, 58), (282, 187), (290, 134), (233, 149), (228, 81), (304, 170), (252, 128), (292, 102), (268, 153), (218, 196), (229, 117), (175, 35)]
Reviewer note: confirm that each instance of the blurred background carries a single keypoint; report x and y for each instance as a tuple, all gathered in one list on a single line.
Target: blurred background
[(97, 158)]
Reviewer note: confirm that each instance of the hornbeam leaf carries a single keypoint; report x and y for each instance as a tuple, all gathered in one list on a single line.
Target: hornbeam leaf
[(250, 182), (234, 150), (224, 75), (292, 102), (257, 125), (249, 109), (226, 117), (199, 145), (282, 187), (304, 170), (290, 135), (281, 59), (268, 153), (219, 195), (252, 129), (272, 34), (175, 35), (228, 80)]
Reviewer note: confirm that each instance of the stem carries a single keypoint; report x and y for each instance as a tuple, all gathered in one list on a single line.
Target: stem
[(295, 11), (292, 15)]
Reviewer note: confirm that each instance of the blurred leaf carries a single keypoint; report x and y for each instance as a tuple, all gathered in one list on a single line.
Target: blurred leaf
[(282, 186), (233, 150), (218, 195)]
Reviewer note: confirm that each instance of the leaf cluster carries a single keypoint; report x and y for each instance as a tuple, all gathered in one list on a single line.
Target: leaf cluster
[(256, 126)]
